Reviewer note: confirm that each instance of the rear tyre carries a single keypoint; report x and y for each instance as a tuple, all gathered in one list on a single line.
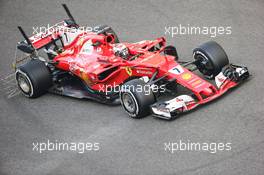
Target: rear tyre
[(33, 78), (210, 58), (136, 98), (109, 30)]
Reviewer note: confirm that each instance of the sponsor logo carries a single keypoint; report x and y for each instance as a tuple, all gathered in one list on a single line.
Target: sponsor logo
[(128, 71), (186, 76), (196, 82), (144, 72)]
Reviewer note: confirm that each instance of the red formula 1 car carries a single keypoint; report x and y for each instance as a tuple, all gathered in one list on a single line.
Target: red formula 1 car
[(143, 75)]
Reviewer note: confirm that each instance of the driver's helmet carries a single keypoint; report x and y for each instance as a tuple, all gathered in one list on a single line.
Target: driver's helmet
[(121, 50)]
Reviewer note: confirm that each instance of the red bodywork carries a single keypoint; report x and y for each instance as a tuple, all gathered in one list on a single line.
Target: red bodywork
[(90, 65)]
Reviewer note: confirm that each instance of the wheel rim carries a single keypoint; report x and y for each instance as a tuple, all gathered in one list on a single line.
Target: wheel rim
[(23, 84), (129, 102), (204, 65)]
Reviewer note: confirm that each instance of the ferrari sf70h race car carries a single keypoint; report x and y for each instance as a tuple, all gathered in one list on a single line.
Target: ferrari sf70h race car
[(94, 65)]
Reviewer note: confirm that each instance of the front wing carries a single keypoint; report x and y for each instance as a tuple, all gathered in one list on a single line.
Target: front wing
[(230, 77)]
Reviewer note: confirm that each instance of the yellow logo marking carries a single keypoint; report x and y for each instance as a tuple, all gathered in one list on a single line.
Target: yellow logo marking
[(80, 41), (129, 71), (186, 76), (85, 77), (196, 82)]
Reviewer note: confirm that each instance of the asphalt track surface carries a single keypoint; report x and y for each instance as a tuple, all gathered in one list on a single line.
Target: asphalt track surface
[(129, 146)]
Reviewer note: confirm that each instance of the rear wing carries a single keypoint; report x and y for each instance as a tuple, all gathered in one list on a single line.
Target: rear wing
[(50, 36)]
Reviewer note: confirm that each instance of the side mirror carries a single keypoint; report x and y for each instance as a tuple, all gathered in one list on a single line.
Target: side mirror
[(25, 47), (171, 50), (110, 38)]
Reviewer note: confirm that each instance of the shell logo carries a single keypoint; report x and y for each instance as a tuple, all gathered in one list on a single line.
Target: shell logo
[(186, 76)]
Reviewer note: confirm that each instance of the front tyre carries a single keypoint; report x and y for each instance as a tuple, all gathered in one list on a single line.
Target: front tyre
[(136, 98), (210, 58), (33, 78)]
